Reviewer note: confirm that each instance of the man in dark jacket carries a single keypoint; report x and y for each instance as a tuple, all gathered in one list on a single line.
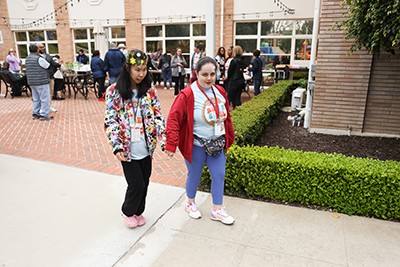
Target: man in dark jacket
[(256, 67), (114, 61), (165, 63), (82, 58), (99, 75)]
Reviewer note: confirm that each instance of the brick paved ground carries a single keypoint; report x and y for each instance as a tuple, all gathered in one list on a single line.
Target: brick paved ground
[(76, 137)]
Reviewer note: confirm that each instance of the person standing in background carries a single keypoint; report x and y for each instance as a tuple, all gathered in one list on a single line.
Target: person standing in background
[(228, 60), (220, 58), (14, 62), (197, 54), (51, 70), (236, 78), (99, 75), (114, 61), (38, 80), (178, 65), (59, 84), (123, 49), (256, 68), (165, 63), (82, 58)]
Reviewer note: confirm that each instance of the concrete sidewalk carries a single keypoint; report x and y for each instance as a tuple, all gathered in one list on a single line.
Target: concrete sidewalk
[(54, 215)]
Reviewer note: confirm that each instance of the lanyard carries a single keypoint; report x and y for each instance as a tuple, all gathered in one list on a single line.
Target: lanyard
[(215, 105), (135, 110)]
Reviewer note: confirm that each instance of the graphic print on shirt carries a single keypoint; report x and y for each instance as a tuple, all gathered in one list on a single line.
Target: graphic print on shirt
[(208, 112)]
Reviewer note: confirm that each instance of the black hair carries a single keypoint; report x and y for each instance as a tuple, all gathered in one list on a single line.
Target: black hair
[(33, 48), (256, 53), (81, 50), (205, 60), (219, 51), (124, 85)]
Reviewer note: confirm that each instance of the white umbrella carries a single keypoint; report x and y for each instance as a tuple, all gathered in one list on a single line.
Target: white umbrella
[(100, 39)]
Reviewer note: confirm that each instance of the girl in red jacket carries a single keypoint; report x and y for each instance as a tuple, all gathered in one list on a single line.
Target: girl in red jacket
[(200, 124)]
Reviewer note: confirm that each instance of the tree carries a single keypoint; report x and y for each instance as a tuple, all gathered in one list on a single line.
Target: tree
[(373, 24)]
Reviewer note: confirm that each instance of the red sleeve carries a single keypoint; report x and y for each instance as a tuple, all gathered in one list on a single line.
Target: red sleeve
[(175, 118)]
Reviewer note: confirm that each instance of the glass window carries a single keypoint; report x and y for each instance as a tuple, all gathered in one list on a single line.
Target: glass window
[(53, 49), (22, 51), (91, 34), (51, 35), (153, 31), (80, 34), (179, 30), (246, 28), (152, 46), (304, 27), (35, 36), (83, 46), (199, 29), (21, 36), (303, 49), (276, 46), (174, 44), (248, 45), (118, 32), (92, 46), (277, 27)]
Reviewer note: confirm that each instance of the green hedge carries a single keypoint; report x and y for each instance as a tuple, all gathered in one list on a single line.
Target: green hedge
[(345, 184), (251, 118)]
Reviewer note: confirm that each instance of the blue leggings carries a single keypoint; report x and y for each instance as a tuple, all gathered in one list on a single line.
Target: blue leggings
[(216, 165)]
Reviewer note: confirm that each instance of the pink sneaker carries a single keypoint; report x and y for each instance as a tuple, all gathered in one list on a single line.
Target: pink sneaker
[(192, 210), (131, 221), (141, 220)]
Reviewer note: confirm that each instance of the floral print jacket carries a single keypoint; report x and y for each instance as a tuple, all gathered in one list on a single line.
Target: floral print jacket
[(117, 123)]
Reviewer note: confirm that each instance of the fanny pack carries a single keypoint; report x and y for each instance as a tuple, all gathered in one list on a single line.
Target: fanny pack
[(212, 147)]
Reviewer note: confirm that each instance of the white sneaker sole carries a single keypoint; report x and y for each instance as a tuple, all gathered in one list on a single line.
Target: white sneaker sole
[(220, 220)]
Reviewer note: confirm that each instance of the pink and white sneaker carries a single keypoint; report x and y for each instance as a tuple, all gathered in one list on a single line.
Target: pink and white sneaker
[(131, 221), (222, 216), (192, 210), (141, 220)]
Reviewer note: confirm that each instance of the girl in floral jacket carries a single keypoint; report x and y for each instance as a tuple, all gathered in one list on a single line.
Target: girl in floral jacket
[(133, 125)]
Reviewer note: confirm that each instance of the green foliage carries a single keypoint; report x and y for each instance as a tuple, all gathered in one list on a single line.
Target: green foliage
[(374, 25), (250, 119), (346, 184)]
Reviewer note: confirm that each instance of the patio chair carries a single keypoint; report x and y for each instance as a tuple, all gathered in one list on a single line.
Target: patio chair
[(10, 84)]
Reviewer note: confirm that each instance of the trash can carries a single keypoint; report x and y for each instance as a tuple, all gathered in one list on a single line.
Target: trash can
[(297, 98)]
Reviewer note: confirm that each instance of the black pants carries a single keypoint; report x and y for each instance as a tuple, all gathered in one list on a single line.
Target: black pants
[(235, 92), (157, 78), (100, 86), (137, 174), (179, 83)]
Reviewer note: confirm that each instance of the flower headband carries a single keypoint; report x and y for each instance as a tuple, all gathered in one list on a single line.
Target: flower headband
[(136, 57)]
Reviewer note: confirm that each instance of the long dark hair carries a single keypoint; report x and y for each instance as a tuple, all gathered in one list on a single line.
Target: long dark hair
[(124, 85)]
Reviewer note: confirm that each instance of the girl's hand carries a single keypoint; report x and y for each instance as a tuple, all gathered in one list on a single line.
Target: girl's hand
[(169, 153), (120, 156)]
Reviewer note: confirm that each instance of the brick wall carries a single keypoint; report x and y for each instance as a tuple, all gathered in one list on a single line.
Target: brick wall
[(8, 38), (342, 78), (133, 28), (383, 103), (228, 23), (64, 34)]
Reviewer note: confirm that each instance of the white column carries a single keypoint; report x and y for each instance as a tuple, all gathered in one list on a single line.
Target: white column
[(210, 28), (314, 47)]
